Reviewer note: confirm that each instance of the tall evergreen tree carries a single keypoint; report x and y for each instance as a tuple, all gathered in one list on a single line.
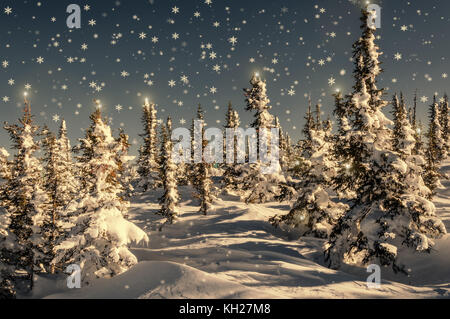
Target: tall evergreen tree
[(307, 129), (85, 153), (417, 127), (444, 121), (127, 171), (260, 185), (5, 173), (99, 241), (436, 150), (24, 205), (283, 145), (232, 170), (5, 165), (169, 200), (60, 186), (6, 285), (201, 171), (389, 213), (314, 213), (148, 161)]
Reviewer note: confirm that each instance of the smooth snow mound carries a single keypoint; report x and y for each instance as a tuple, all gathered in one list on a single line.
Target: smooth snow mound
[(161, 280)]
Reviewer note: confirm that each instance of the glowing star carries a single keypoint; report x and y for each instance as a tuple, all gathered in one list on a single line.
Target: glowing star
[(8, 10)]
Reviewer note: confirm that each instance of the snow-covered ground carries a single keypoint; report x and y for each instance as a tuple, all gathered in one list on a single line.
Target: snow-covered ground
[(235, 253)]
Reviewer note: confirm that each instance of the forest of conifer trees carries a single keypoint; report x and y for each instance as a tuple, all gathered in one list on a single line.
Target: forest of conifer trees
[(363, 180)]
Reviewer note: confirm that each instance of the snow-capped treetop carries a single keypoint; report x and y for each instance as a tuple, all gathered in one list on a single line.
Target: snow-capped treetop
[(257, 100), (232, 117)]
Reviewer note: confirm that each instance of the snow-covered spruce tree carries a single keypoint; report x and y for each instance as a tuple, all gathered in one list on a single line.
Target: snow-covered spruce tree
[(203, 188), (314, 213), (436, 149), (444, 121), (7, 286), (389, 213), (343, 181), (400, 135), (85, 153), (193, 167), (99, 241), (148, 154), (283, 145), (60, 187), (260, 187), (183, 166), (290, 153), (201, 170), (127, 171), (303, 148), (307, 129), (5, 173), (231, 170), (436, 132), (182, 170), (6, 270), (5, 166), (169, 200), (417, 127), (25, 203)]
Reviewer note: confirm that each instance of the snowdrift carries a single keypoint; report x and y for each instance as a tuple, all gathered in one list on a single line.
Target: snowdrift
[(158, 279)]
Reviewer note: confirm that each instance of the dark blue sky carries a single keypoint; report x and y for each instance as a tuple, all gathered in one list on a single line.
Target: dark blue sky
[(299, 47)]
